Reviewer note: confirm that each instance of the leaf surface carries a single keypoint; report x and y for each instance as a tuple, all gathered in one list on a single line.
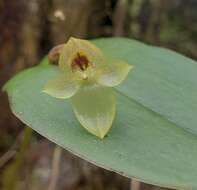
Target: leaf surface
[(154, 135)]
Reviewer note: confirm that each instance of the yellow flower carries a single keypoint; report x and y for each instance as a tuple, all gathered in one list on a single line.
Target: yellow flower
[(87, 77)]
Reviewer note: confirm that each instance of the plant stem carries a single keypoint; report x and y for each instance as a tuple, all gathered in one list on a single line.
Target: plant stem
[(135, 185), (11, 152), (6, 157), (55, 168), (11, 174)]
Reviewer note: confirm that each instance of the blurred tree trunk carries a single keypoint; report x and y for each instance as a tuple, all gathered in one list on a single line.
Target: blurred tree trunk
[(172, 24)]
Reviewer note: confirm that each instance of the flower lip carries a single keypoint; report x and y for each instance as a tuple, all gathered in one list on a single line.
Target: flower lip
[(80, 61)]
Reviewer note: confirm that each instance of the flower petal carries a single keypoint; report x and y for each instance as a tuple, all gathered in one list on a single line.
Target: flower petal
[(113, 72), (63, 86), (94, 107), (74, 46)]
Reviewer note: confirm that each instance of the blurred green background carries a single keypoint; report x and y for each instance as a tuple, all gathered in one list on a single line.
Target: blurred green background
[(29, 29)]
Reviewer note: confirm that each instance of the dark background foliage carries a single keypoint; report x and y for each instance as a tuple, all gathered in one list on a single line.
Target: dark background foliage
[(28, 29)]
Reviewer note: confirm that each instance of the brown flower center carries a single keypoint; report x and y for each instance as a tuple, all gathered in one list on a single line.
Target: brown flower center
[(80, 62)]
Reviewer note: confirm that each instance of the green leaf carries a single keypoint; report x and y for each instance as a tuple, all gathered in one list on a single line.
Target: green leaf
[(113, 72), (93, 102), (154, 135)]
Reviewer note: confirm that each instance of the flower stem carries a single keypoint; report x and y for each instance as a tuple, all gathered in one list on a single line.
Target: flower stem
[(55, 168), (135, 185)]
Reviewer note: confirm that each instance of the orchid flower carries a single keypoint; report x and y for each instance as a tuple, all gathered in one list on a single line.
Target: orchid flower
[(87, 77)]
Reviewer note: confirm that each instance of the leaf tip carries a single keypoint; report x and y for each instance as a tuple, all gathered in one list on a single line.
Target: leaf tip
[(5, 87)]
